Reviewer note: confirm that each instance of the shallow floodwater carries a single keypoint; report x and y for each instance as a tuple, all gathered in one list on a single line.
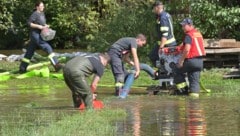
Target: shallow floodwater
[(159, 115)]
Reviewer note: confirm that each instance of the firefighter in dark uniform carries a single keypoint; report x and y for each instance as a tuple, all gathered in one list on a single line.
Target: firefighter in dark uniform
[(77, 70), (120, 48), (37, 22), (164, 29), (191, 61)]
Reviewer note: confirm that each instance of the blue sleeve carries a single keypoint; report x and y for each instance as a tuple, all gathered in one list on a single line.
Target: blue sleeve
[(164, 28)]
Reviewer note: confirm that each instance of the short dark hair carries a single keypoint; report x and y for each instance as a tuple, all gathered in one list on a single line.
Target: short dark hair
[(157, 3), (105, 56), (142, 37)]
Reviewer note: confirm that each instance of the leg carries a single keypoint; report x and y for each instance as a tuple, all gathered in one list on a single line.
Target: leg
[(179, 80), (153, 55), (83, 89), (193, 78), (118, 71), (75, 96), (28, 55), (47, 48)]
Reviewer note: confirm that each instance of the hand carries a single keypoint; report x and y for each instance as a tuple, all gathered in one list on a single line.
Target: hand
[(93, 88), (136, 74), (180, 64), (94, 96), (160, 50), (46, 25)]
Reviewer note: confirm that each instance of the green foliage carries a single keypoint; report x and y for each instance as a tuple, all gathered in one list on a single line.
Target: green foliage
[(96, 24), (216, 21)]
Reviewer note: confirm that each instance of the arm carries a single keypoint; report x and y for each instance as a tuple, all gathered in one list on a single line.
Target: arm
[(184, 55), (136, 61), (32, 25), (32, 22), (94, 83), (163, 41)]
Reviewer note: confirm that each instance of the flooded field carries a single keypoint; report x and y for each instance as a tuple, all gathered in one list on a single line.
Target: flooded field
[(159, 115)]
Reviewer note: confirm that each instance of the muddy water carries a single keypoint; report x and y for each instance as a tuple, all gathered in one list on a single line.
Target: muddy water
[(159, 115)]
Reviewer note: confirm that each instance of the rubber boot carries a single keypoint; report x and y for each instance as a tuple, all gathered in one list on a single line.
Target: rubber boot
[(118, 87), (54, 61), (182, 91), (23, 66), (117, 91), (76, 101)]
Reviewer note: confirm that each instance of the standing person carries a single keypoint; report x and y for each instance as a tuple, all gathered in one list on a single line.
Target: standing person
[(77, 70), (191, 61), (164, 29), (37, 22), (119, 49)]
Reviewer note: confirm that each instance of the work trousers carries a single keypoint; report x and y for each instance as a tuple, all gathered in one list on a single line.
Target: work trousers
[(191, 67)]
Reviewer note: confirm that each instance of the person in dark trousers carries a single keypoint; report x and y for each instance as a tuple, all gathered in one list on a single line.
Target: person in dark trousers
[(164, 29), (191, 61), (77, 70), (37, 22), (123, 46)]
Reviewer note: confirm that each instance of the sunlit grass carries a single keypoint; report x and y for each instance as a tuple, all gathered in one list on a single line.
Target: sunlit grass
[(70, 123)]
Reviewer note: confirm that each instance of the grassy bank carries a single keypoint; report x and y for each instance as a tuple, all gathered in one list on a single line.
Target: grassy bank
[(211, 78), (87, 123)]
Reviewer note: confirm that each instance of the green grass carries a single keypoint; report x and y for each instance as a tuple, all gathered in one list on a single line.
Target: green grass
[(85, 123), (212, 79)]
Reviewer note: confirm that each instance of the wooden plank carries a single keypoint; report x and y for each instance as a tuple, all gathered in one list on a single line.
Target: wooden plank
[(223, 43), (223, 51)]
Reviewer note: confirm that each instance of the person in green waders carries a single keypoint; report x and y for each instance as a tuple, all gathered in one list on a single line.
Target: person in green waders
[(77, 70)]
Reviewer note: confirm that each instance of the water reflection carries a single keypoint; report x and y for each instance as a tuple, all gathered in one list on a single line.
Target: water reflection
[(164, 118), (196, 121)]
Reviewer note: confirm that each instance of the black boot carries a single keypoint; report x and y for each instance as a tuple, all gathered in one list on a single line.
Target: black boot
[(23, 67)]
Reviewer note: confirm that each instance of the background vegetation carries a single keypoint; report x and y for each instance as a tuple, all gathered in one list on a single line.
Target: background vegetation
[(96, 24)]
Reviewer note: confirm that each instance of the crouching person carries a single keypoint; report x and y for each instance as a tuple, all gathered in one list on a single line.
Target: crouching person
[(191, 61), (77, 70)]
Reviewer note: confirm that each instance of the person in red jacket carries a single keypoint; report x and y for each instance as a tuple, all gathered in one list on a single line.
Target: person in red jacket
[(191, 61)]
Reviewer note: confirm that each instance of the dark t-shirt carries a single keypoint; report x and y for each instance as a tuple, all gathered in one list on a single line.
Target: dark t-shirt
[(37, 18), (187, 40), (124, 45), (98, 67)]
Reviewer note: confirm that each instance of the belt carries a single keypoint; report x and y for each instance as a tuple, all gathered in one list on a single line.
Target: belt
[(198, 57)]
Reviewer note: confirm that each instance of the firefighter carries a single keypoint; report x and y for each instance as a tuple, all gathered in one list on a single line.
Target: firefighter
[(77, 70), (191, 61), (117, 51), (37, 22), (164, 30)]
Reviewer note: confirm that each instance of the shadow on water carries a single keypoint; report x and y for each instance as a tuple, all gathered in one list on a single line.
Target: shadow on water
[(159, 115)]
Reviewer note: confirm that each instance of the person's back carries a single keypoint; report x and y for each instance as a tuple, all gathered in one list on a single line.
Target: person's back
[(124, 45)]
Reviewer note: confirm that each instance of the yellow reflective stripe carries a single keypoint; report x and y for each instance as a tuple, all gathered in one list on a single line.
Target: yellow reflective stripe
[(51, 55), (165, 34), (168, 41), (25, 60), (164, 28), (118, 84), (181, 85)]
